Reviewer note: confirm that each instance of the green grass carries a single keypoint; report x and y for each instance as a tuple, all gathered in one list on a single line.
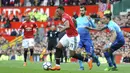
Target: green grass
[(36, 67)]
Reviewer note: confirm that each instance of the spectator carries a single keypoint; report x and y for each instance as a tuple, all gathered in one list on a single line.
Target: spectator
[(91, 2), (11, 15), (5, 2), (15, 19), (38, 15), (7, 24), (43, 18), (128, 23), (126, 59), (57, 3), (27, 3), (12, 2), (17, 3), (41, 33), (13, 33), (19, 15), (51, 3), (43, 3), (82, 2), (74, 2), (32, 2), (49, 19)]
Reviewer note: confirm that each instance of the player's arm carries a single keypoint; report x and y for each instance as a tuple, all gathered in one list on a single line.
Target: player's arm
[(97, 29), (66, 26), (112, 39), (92, 25)]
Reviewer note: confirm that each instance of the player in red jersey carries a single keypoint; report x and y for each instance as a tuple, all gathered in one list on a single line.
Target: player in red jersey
[(70, 39), (29, 28)]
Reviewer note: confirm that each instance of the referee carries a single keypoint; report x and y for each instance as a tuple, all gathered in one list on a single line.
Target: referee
[(52, 36)]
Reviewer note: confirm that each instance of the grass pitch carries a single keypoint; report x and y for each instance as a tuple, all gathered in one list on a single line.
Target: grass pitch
[(36, 67)]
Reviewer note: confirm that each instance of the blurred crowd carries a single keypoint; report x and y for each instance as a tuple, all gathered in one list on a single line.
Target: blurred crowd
[(100, 40), (123, 20), (51, 2)]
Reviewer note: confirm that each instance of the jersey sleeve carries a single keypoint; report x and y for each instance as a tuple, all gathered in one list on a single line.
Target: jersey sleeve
[(22, 26), (35, 25), (111, 27), (92, 24), (64, 19)]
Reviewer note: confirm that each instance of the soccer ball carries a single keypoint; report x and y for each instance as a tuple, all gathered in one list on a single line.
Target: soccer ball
[(46, 65)]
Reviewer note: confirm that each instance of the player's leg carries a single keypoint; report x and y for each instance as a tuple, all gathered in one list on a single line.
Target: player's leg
[(31, 46), (109, 61), (31, 53), (80, 45), (50, 47), (74, 43), (62, 43), (25, 45), (25, 56), (114, 47), (62, 56), (94, 56), (89, 49), (113, 60), (65, 54), (58, 56), (73, 46), (81, 65)]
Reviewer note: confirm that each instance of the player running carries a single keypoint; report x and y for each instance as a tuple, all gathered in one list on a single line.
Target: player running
[(28, 40), (70, 39), (85, 37), (116, 41)]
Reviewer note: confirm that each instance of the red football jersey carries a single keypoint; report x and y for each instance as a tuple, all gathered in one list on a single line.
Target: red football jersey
[(28, 29), (71, 32)]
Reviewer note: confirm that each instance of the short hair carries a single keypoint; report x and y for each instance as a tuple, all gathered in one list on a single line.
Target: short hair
[(108, 16), (83, 7), (61, 8)]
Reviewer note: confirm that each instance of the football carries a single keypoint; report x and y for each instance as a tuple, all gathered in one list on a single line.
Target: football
[(46, 65)]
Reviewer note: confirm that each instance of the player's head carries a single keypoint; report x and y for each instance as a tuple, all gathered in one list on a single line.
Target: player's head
[(59, 11), (53, 27), (105, 19), (82, 10), (27, 17)]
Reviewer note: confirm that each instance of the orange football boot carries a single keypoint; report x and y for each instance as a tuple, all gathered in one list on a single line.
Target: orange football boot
[(25, 64), (90, 64), (55, 68), (31, 58)]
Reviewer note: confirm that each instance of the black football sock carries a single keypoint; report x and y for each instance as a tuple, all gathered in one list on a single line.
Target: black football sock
[(80, 57), (58, 55), (31, 52), (51, 57), (25, 54)]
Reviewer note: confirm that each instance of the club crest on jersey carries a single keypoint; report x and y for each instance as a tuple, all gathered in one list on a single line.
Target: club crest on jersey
[(63, 19), (31, 25), (25, 26)]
